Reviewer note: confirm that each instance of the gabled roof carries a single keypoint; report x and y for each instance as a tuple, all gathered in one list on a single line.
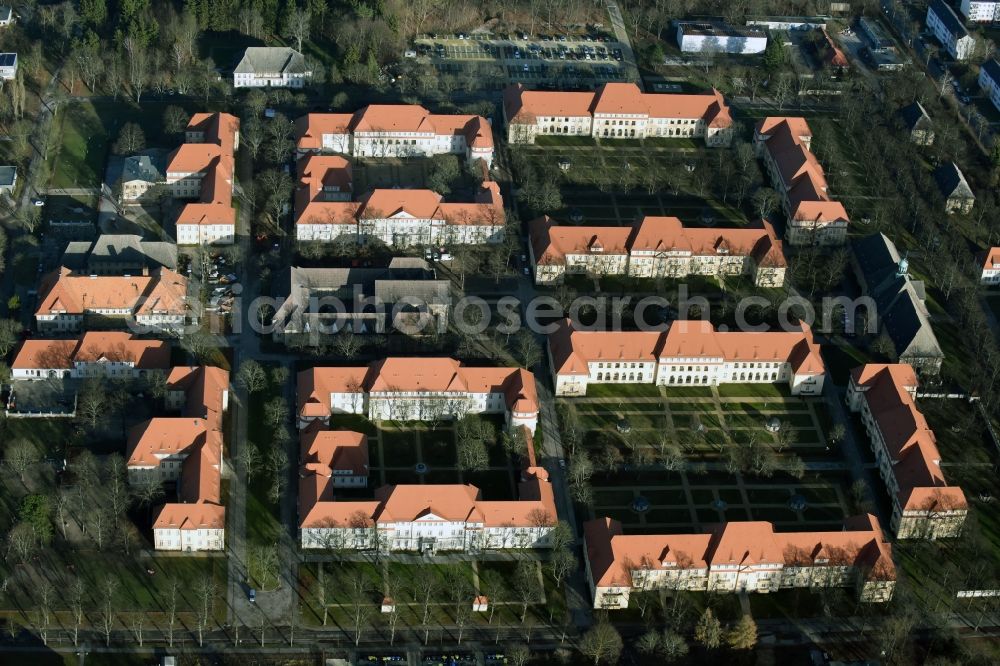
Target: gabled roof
[(898, 298), (952, 182), (909, 441), (613, 555), (572, 350), (271, 60), (992, 69), (991, 259), (915, 117), (91, 347), (524, 106), (163, 291)]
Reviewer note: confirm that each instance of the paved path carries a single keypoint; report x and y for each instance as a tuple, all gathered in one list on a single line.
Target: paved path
[(851, 446), (621, 34)]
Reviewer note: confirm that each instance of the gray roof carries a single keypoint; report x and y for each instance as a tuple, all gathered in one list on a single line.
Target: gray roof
[(899, 299), (271, 60), (402, 278), (915, 117), (948, 17), (952, 182), (4, 13), (126, 249), (148, 168), (7, 175)]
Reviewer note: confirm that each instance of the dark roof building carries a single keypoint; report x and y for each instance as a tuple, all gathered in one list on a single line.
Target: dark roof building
[(957, 193), (899, 301), (918, 124)]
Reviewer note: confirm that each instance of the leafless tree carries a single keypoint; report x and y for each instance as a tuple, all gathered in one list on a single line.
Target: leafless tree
[(297, 26)]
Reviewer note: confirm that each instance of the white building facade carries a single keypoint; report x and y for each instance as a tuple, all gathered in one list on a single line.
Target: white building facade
[(979, 11), (950, 30)]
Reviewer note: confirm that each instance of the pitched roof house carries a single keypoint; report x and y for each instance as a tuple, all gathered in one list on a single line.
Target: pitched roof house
[(918, 124), (924, 505), (737, 557), (271, 67), (899, 300), (957, 194), (95, 353)]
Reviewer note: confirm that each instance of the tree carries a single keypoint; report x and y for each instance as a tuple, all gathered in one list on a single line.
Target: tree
[(526, 584), (147, 489), (256, 101), (251, 376), (175, 119), (528, 351), (10, 332), (561, 564), (171, 600), (276, 411), (249, 459), (518, 654), (36, 511), (279, 375), (20, 455), (744, 635), (131, 139), (77, 590), (765, 200), (106, 617), (601, 643), (672, 646), (21, 541), (708, 631), (297, 26), (837, 433), (205, 591)]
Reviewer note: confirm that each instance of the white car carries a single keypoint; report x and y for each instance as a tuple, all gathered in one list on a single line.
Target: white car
[(38, 202)]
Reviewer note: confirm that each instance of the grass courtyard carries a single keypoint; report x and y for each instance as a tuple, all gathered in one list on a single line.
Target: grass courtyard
[(84, 130), (622, 426), (395, 450)]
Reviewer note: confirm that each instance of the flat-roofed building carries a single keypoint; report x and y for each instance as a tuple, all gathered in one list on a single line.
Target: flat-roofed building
[(716, 37)]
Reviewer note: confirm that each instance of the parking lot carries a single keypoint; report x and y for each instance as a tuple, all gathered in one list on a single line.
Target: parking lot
[(547, 59)]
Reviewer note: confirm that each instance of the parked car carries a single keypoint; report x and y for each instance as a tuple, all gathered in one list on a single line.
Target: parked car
[(252, 595)]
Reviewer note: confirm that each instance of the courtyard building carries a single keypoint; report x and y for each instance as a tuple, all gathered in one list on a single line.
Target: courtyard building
[(688, 353), (656, 247), (899, 302), (203, 168), (141, 175), (417, 389), (69, 303), (395, 130), (107, 354), (947, 28), (118, 254), (271, 67), (812, 216), (404, 294), (737, 557), (399, 218), (425, 518), (8, 66), (186, 451), (924, 506), (616, 111)]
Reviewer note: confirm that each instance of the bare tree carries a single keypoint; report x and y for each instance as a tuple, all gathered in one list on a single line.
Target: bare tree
[(76, 607), (297, 26), (107, 617), (205, 591), (251, 376), (20, 456), (171, 601), (138, 65), (601, 643)]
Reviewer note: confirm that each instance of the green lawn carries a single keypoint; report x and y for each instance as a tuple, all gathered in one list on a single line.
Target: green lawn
[(550, 140), (85, 130), (622, 391), (753, 391)]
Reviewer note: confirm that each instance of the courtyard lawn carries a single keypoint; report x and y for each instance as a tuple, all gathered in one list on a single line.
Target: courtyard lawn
[(622, 391), (753, 391)]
